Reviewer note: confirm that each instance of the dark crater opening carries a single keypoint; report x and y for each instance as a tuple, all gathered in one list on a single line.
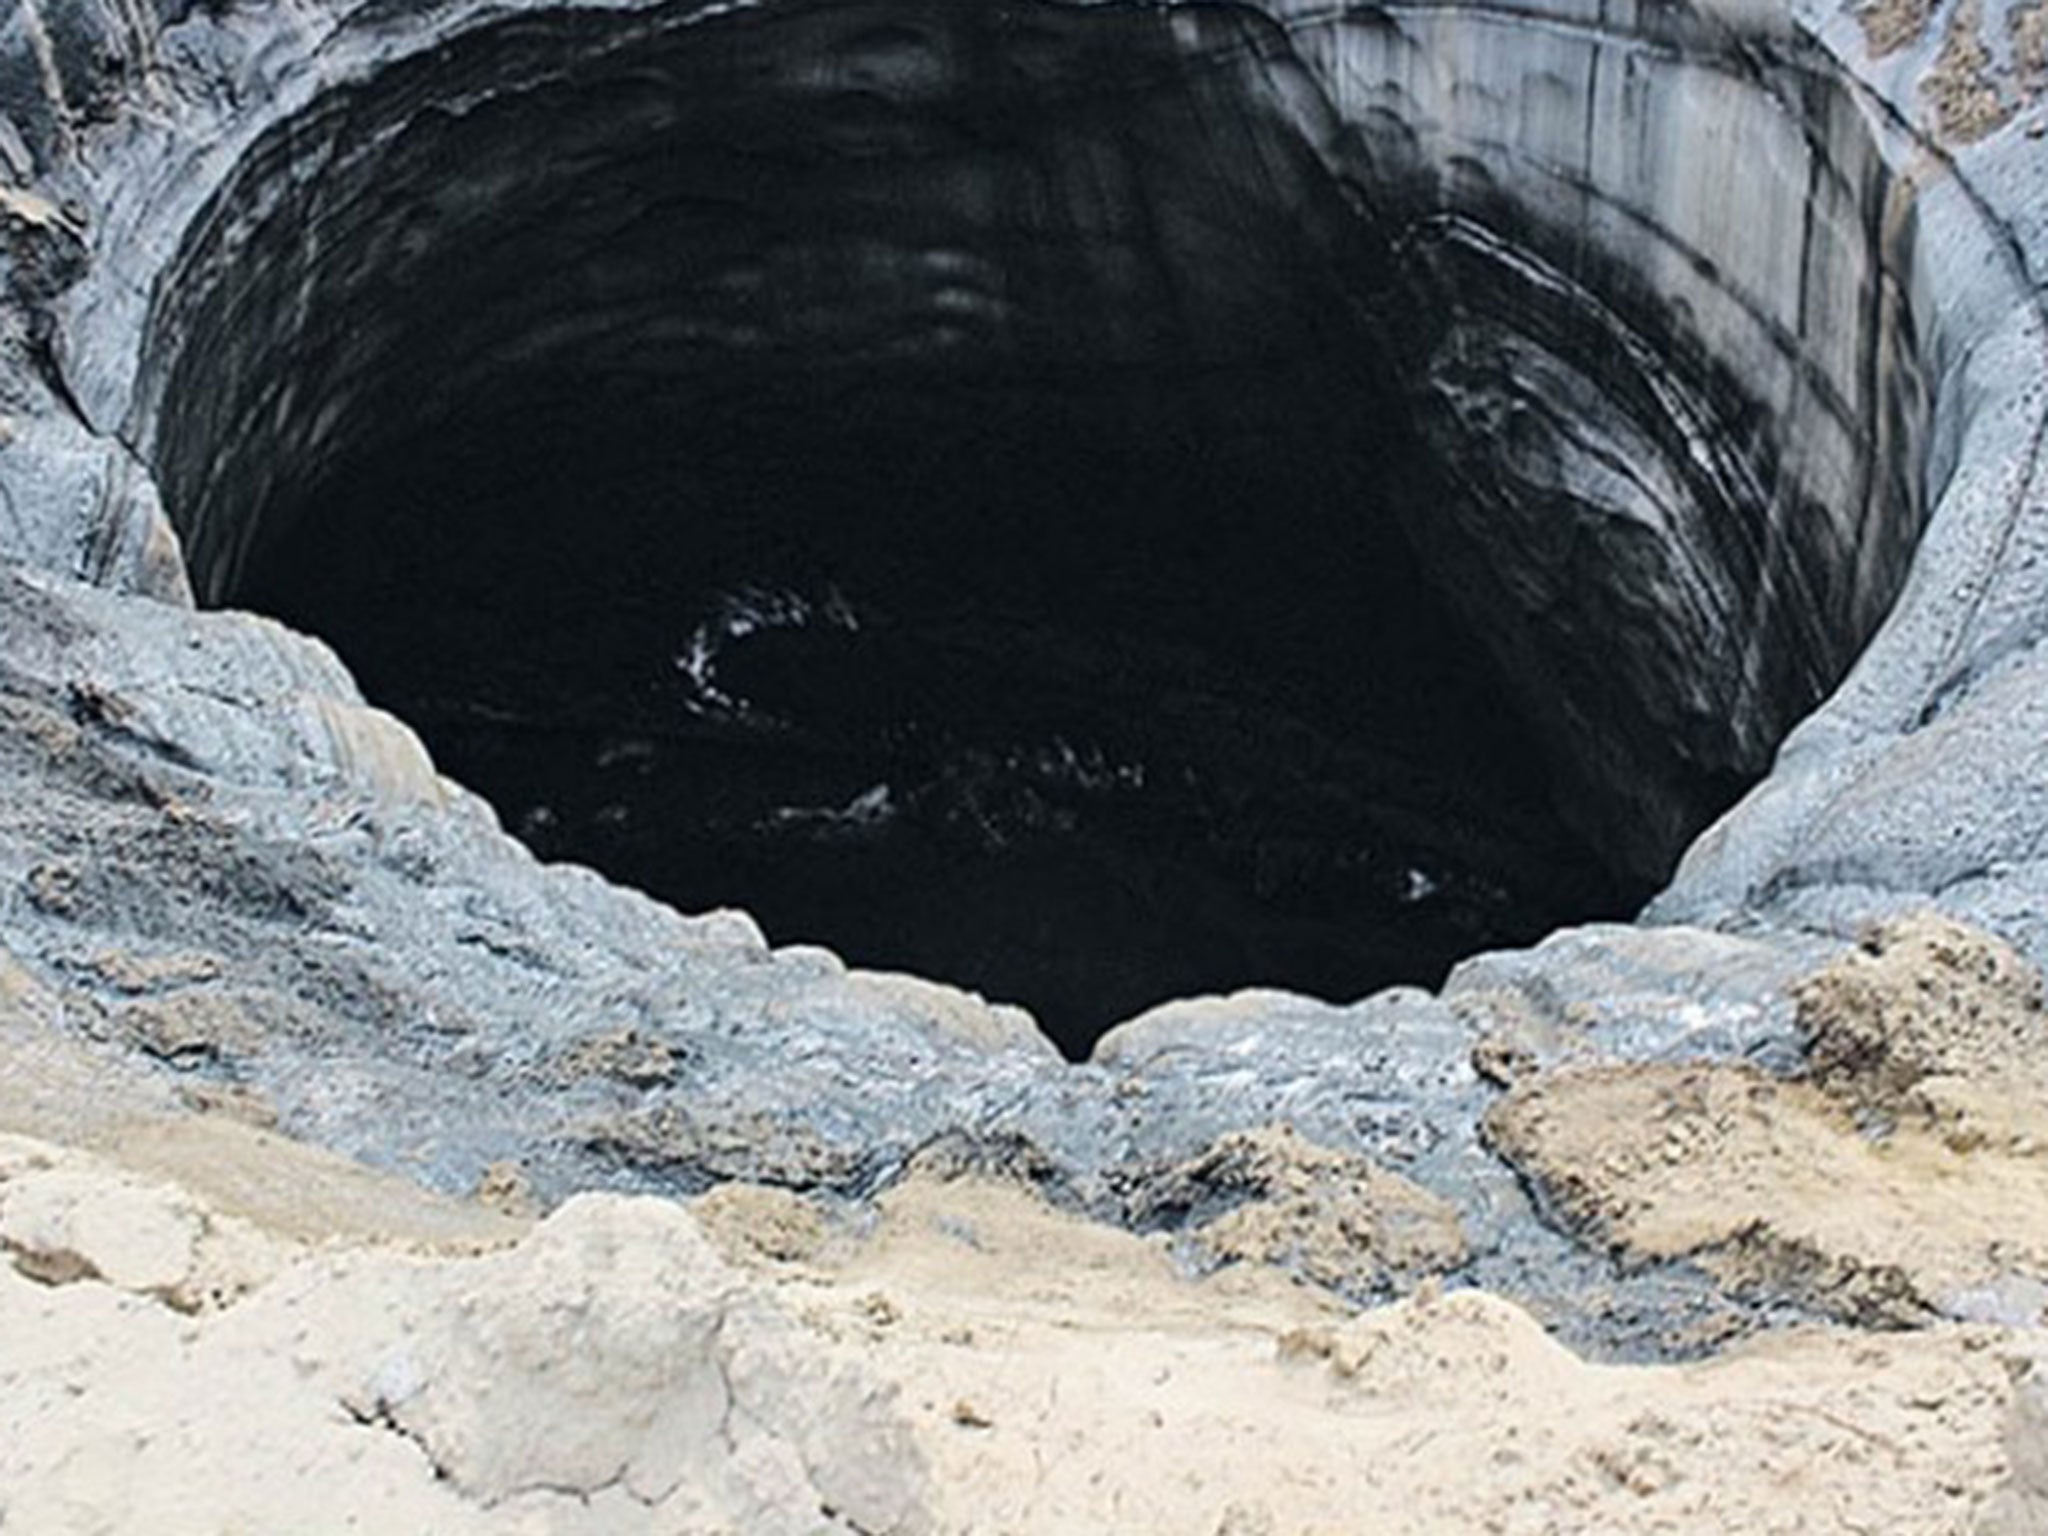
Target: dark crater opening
[(940, 477)]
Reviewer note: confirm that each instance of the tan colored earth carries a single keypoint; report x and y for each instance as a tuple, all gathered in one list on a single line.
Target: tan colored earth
[(1971, 87), (207, 1329)]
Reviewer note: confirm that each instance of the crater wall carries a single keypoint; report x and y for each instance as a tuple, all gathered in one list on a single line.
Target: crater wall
[(1654, 304), (1728, 330)]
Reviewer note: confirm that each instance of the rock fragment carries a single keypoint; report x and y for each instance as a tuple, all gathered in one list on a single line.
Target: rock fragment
[(1902, 1180), (1268, 1196)]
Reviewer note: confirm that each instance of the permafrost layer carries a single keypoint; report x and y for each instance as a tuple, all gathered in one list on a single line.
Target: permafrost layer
[(1705, 328), (1647, 279), (1302, 504)]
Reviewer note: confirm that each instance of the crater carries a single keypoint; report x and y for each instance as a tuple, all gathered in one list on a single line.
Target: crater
[(1090, 504)]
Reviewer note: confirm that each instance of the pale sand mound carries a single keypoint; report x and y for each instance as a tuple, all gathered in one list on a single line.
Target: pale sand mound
[(608, 1373), (1065, 1378)]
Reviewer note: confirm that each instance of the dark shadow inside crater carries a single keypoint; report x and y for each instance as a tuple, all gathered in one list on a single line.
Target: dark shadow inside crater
[(933, 476), (1085, 692)]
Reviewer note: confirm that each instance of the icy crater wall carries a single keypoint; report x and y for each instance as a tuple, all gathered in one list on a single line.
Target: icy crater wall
[(1704, 322), (1645, 274), (1670, 344)]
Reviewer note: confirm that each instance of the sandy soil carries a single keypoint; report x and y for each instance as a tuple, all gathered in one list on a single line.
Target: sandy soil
[(206, 1329), (1971, 88), (1905, 1178), (1062, 1378)]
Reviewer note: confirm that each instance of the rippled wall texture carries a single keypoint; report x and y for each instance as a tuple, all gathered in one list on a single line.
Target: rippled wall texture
[(1109, 502)]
